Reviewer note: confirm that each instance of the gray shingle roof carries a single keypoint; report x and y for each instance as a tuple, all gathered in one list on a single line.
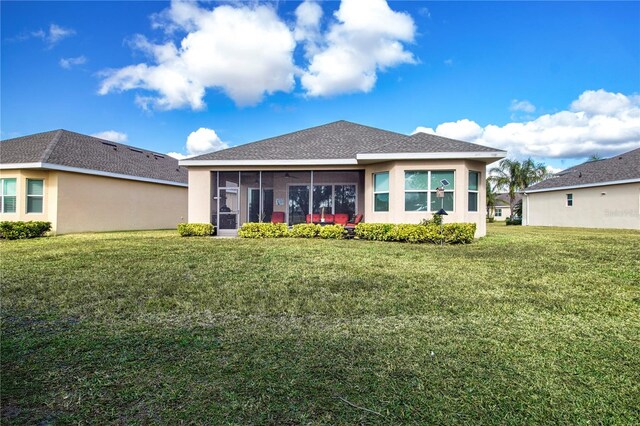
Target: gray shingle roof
[(339, 140), (502, 199), (70, 149), (425, 142), (621, 167)]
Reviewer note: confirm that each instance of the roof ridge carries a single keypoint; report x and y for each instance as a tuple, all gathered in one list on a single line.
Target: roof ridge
[(52, 144)]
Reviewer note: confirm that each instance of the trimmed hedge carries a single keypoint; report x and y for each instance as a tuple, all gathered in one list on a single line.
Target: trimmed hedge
[(195, 229), (332, 232), (14, 230), (304, 230), (450, 233), (513, 221), (263, 230)]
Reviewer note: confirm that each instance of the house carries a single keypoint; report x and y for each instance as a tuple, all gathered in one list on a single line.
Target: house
[(596, 194), (502, 209), (340, 168), (81, 183)]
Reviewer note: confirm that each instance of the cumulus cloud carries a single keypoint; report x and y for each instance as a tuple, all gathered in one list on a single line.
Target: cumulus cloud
[(112, 135), (524, 106), (367, 37), (246, 52), (307, 28), (68, 63), (201, 142), (597, 122)]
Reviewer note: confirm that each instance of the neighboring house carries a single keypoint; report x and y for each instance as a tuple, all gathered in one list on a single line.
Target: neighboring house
[(343, 168), (81, 183), (596, 194), (502, 209)]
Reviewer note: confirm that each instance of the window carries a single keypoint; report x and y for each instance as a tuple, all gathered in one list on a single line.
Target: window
[(416, 191), (474, 179), (420, 190), (498, 212), (8, 195), (381, 192), (569, 200), (35, 195)]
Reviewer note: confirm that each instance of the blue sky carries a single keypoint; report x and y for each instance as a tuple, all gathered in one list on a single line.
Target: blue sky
[(482, 72)]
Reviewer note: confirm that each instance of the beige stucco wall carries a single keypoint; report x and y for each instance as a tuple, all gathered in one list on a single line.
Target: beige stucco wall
[(96, 203), (200, 190), (505, 210), (49, 210), (607, 206), (397, 214)]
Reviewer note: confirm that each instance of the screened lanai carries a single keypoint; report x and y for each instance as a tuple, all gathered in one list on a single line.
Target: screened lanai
[(254, 196)]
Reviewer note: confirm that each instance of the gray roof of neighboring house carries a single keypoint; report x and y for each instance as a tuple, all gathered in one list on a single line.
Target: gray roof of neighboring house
[(502, 199), (65, 148), (619, 168), (340, 140)]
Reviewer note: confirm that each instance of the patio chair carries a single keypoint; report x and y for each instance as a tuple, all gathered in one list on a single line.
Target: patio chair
[(277, 217), (357, 220), (341, 219)]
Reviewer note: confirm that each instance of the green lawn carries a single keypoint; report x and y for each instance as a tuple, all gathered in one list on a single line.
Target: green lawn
[(528, 325)]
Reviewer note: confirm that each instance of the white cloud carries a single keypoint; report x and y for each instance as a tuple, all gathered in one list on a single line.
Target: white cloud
[(245, 51), (68, 63), (524, 106), (201, 142), (307, 29), (597, 122), (54, 35), (366, 38), (112, 135)]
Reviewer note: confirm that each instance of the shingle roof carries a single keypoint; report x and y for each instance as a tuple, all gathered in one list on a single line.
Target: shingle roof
[(619, 168), (502, 199), (426, 142), (65, 148), (339, 140)]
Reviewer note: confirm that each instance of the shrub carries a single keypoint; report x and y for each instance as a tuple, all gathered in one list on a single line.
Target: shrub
[(195, 229), (436, 219), (304, 230), (333, 232), (513, 221), (373, 231), (263, 230), (451, 233), (490, 219), (19, 230)]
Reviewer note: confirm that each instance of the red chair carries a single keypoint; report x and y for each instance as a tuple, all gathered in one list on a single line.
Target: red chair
[(356, 221), (341, 219), (328, 218), (277, 217), (314, 219)]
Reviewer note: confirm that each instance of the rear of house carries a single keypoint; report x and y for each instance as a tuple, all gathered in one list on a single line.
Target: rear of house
[(344, 169), (596, 194), (80, 183)]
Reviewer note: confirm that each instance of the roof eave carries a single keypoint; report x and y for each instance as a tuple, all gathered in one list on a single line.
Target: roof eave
[(300, 162), (485, 156), (58, 167)]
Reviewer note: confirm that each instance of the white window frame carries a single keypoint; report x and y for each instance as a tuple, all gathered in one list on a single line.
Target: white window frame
[(381, 192), (498, 212), (477, 191), (27, 196), (569, 200), (414, 191), (3, 195), (430, 190)]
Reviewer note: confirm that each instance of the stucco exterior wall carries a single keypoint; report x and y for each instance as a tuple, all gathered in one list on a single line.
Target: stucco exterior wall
[(96, 203), (397, 214), (200, 184), (50, 201), (607, 206)]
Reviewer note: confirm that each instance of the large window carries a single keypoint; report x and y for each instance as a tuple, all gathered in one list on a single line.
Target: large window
[(421, 190), (8, 195), (474, 180), (381, 192), (35, 195)]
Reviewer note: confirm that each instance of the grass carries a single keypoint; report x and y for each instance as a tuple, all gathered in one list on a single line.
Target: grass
[(528, 325)]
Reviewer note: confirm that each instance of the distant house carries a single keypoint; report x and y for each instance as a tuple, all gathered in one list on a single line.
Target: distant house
[(596, 194), (341, 171), (82, 183), (502, 209)]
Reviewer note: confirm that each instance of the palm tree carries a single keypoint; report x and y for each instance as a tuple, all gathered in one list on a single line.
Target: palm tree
[(491, 199), (514, 176)]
